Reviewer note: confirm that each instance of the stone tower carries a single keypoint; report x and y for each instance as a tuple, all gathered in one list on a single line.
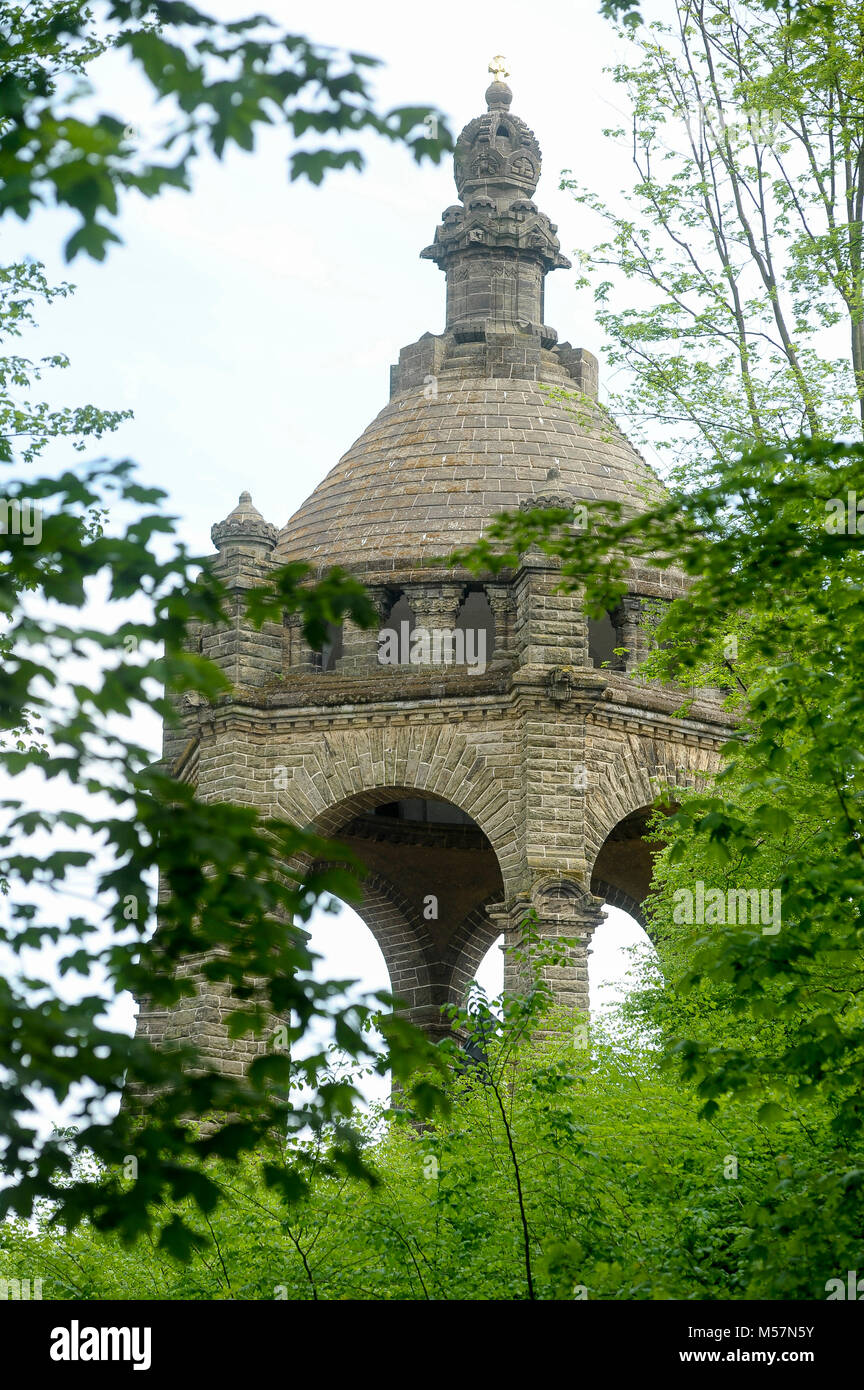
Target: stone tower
[(472, 789)]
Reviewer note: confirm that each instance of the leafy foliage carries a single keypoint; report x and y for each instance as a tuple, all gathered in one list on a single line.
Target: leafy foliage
[(741, 247), (803, 14), (230, 899), (772, 1018), (218, 83), (561, 1171), (97, 813)]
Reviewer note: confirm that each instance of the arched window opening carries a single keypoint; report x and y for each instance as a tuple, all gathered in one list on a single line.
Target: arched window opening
[(394, 638), (346, 950), (620, 948), (490, 972), (477, 622), (619, 953), (429, 872), (603, 638)]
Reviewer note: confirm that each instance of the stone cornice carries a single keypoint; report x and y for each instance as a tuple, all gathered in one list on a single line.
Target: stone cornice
[(649, 718)]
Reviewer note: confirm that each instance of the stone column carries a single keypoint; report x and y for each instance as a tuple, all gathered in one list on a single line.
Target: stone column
[(629, 619), (298, 655), (562, 912), (244, 542), (435, 606), (360, 645), (502, 601), (551, 625)]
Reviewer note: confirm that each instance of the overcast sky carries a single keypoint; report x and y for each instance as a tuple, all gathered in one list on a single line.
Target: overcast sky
[(251, 326)]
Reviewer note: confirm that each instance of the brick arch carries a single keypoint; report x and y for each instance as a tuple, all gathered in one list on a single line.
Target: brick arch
[(633, 780), (409, 961), (622, 868), (618, 852), (467, 949), (340, 777), (616, 897), (416, 976)]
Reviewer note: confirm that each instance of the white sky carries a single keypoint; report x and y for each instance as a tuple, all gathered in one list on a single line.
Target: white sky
[(251, 326)]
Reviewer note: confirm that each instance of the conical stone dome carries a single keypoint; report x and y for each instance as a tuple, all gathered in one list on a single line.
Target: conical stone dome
[(489, 415)]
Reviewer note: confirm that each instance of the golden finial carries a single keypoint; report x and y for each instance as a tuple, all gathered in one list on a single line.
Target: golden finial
[(498, 68)]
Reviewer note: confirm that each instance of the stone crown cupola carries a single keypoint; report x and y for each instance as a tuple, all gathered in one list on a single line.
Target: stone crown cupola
[(495, 246)]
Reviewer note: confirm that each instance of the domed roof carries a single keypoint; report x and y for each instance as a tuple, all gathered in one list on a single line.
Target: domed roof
[(430, 474), (489, 415)]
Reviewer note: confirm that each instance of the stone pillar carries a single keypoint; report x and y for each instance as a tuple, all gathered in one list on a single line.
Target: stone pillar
[(550, 626), (629, 619), (298, 655), (244, 541), (502, 601), (359, 644), (435, 607), (559, 911)]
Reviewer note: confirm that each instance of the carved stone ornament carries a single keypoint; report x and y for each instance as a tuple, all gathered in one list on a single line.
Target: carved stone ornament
[(560, 684)]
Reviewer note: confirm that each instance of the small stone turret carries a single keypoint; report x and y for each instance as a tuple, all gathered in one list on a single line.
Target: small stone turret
[(245, 543), (244, 533)]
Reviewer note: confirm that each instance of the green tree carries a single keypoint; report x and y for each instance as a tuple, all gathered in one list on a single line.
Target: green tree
[(786, 814), (742, 247), (802, 14), (217, 84), (576, 1157), (115, 816)]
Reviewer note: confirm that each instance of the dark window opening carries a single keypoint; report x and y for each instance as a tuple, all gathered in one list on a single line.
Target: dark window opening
[(603, 638), (478, 623), (394, 638), (332, 649)]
